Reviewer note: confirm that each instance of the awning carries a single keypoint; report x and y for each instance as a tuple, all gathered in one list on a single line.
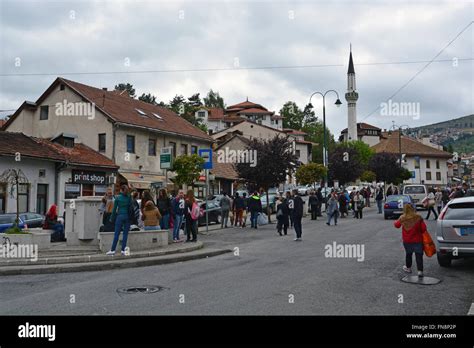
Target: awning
[(143, 181)]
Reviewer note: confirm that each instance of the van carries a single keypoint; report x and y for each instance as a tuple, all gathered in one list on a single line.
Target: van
[(416, 192)]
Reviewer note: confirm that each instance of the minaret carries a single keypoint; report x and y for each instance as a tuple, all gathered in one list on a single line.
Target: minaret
[(351, 98)]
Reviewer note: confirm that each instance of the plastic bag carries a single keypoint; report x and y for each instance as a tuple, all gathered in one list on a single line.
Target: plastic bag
[(262, 219), (429, 247)]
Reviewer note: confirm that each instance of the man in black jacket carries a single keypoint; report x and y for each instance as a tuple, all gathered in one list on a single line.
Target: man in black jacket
[(319, 195), (313, 205), (297, 214)]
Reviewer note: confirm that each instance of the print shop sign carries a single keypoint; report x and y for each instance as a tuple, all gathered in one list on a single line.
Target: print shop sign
[(87, 177)]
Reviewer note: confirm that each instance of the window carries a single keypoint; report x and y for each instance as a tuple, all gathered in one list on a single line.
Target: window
[(68, 142), (438, 176), (157, 116), (194, 150), (3, 198), (24, 197), (42, 173), (201, 114), (87, 189), (437, 164), (428, 164), (298, 153), (184, 149), (151, 147), (61, 87), (44, 111), (141, 112), (42, 198), (173, 145), (130, 143), (276, 121), (417, 163), (428, 175), (102, 142)]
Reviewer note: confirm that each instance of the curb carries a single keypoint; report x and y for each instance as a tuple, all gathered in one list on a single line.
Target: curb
[(109, 265)]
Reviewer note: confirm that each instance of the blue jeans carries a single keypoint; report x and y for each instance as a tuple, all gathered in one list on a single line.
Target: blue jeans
[(253, 218), (165, 221), (379, 205), (121, 222), (152, 228), (58, 234), (178, 220), (331, 216)]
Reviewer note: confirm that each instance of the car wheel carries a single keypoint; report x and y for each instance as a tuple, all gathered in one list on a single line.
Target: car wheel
[(444, 260)]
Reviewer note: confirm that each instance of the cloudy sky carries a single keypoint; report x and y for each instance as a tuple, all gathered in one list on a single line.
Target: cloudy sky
[(80, 39)]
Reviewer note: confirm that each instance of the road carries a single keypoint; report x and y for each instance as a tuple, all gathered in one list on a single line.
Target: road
[(272, 275)]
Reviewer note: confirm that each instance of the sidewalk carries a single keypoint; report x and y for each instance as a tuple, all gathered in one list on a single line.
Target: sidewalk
[(79, 259)]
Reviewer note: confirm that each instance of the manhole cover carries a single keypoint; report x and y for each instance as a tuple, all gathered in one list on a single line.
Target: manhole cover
[(146, 289), (421, 280)]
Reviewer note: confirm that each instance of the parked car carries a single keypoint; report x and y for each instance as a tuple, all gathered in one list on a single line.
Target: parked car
[(393, 206), (33, 220), (8, 220), (214, 211), (455, 231), (416, 192), (304, 190)]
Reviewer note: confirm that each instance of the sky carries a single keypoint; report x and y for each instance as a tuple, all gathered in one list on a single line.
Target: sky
[(306, 44)]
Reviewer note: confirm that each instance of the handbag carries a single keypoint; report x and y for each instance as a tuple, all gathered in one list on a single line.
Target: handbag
[(429, 247)]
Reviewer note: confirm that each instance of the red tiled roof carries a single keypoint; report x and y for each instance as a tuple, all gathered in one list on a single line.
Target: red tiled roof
[(245, 105), (294, 131), (215, 113), (223, 170), (410, 147), (80, 154), (2, 122), (254, 111), (361, 126), (233, 119)]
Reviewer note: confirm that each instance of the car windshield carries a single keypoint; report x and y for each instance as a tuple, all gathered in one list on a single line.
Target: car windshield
[(414, 190), (460, 211), (7, 219), (397, 198)]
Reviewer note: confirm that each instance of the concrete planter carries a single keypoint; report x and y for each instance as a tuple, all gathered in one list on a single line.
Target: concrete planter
[(137, 240), (41, 239)]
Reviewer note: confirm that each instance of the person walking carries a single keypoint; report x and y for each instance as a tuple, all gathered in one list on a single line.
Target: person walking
[(313, 205), (368, 193), (413, 228), (255, 207), (342, 204), (282, 216), (245, 212), (178, 210), (359, 205), (379, 199), (298, 208), (291, 205), (238, 208), (319, 195), (332, 209), (191, 218), (429, 202), (164, 205), (225, 208), (121, 216), (51, 222), (151, 216)]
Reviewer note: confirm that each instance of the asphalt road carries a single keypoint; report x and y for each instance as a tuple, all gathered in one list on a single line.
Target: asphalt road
[(272, 275)]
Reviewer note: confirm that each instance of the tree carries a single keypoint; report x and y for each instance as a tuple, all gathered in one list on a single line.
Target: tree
[(195, 100), (187, 168), (275, 160), (14, 178), (368, 176), (364, 152), (344, 164), (126, 87), (214, 100), (385, 166), (315, 134), (148, 98), (309, 174), (403, 174), (295, 118)]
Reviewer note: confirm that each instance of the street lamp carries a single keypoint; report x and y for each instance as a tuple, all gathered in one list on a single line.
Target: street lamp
[(338, 103), (394, 126)]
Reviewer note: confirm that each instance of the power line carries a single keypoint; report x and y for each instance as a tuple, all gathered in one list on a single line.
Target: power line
[(421, 70), (224, 69)]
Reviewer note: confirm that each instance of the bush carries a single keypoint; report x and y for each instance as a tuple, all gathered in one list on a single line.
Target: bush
[(15, 230)]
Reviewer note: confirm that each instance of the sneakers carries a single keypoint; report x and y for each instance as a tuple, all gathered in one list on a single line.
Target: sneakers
[(124, 253), (420, 274), (406, 269), (297, 239), (110, 253)]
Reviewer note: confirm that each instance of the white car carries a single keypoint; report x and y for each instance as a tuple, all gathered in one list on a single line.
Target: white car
[(416, 192)]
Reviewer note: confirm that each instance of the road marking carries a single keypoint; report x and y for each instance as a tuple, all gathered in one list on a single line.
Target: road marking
[(471, 310)]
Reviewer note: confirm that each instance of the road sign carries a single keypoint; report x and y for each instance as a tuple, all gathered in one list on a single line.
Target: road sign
[(166, 158), (206, 154)]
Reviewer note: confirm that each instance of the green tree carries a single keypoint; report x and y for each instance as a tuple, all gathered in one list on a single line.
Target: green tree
[(126, 87), (368, 176), (315, 134), (344, 164), (275, 159), (293, 116), (364, 152), (214, 100), (385, 167), (403, 174), (309, 174), (187, 168), (195, 100), (148, 98)]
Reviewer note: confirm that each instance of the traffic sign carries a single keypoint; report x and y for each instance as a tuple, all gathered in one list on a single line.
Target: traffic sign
[(206, 154)]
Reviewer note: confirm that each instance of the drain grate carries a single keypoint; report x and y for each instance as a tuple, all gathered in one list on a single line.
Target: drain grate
[(146, 289)]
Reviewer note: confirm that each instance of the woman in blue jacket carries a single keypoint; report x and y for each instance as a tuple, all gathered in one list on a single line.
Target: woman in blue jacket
[(120, 213)]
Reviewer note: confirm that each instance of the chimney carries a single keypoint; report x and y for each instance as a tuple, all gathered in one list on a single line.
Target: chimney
[(104, 89)]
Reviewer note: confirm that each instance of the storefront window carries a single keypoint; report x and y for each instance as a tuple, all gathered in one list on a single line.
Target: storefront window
[(72, 191), (87, 190)]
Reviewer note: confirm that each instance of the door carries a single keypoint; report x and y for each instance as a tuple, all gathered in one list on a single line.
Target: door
[(3, 198), (42, 198)]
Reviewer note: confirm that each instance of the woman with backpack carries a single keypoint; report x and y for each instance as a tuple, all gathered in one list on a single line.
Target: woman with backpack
[(413, 228), (191, 209), (164, 206), (121, 213)]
